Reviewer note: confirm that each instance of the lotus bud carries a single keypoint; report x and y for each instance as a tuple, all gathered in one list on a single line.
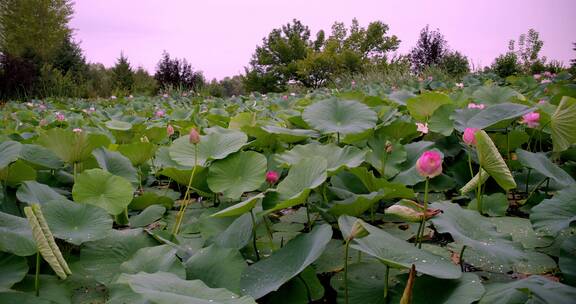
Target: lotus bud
[(469, 137), (358, 231), (531, 119), (272, 177), (405, 213), (388, 147), (422, 127), (170, 130), (194, 136), (429, 164)]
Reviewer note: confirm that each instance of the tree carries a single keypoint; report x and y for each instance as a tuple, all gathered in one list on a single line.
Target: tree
[(34, 26), (123, 76), (144, 83), (429, 50), (176, 73), (455, 64), (274, 62)]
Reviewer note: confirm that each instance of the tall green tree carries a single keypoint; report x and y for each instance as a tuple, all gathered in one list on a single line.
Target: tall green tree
[(123, 76), (430, 48)]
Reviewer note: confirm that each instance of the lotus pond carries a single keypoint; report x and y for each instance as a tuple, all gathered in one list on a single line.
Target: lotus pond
[(429, 193)]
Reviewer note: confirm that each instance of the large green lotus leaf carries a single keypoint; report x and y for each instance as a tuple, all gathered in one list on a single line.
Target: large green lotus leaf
[(139, 152), (534, 289), (492, 115), (494, 94), (102, 189), (238, 173), (118, 125), (217, 144), (422, 107), (555, 214), (465, 290), (16, 235), (495, 204), (116, 163), (290, 135), (392, 159), (50, 288), (269, 274), (469, 228), (304, 176), (22, 298), (13, 269), (562, 124), (335, 156), (163, 159), (148, 216), (302, 289), (491, 161), (182, 177), (167, 288), (399, 129), (567, 260), (102, 258), (237, 235), (520, 229), (401, 96), (398, 253), (72, 147), (40, 157), (373, 184), (9, 152), (16, 173), (441, 121), (356, 204), (33, 192), (217, 267), (240, 208), (472, 184), (365, 283), (150, 198), (340, 116), (154, 259), (541, 164), (76, 223)]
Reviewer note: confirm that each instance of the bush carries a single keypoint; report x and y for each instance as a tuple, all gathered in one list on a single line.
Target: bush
[(506, 65), (455, 64)]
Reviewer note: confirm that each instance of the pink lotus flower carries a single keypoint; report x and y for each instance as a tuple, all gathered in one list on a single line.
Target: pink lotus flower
[(459, 85), (194, 137), (159, 113), (353, 83), (113, 97), (469, 137), (476, 106), (43, 122), (272, 177), (430, 78), (165, 95), (292, 94), (60, 116), (77, 130), (548, 74), (422, 127), (537, 76), (532, 119), (42, 107), (170, 130), (429, 164), (542, 101), (29, 104), (544, 81), (285, 97)]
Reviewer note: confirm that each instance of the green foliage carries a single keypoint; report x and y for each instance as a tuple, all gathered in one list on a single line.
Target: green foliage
[(429, 50), (122, 75), (455, 64)]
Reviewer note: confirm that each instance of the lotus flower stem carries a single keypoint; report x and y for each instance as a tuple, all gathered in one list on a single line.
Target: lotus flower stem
[(338, 138), (308, 293), (479, 191), (346, 250), (183, 206), (37, 276), (422, 227), (527, 179), (386, 277), (270, 235), (470, 165), (254, 234), (461, 261)]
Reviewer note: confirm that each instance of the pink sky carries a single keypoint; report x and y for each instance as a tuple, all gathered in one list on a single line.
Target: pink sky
[(218, 37)]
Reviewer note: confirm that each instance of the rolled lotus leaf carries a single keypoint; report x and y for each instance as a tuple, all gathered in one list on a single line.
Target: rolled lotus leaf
[(45, 241)]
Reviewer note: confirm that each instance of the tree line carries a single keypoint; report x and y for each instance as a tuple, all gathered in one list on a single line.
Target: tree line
[(39, 58)]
